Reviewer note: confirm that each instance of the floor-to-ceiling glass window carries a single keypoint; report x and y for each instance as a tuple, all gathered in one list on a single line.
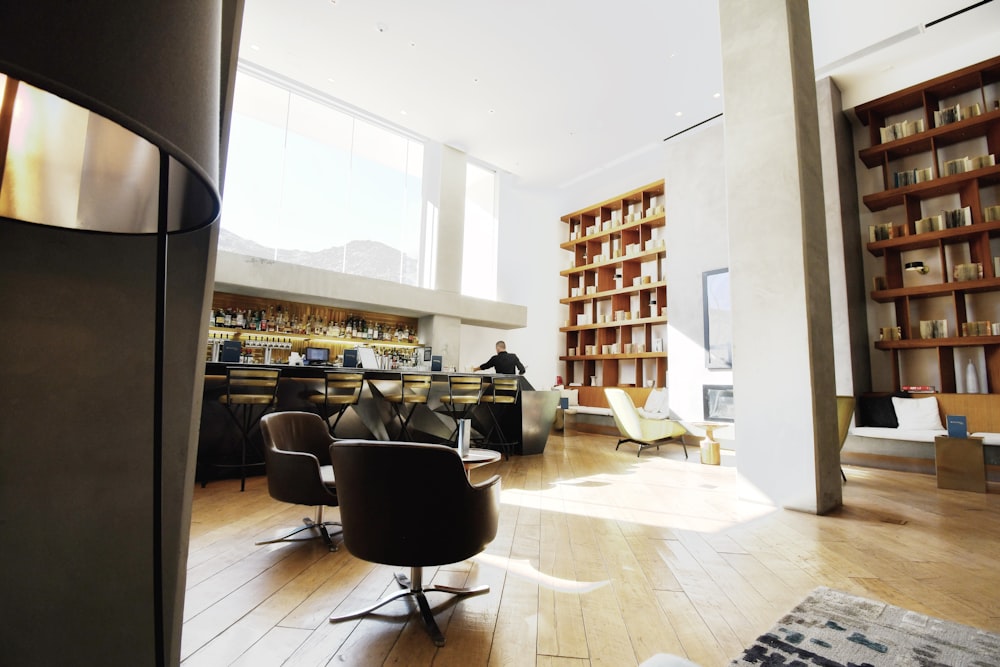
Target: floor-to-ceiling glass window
[(312, 184)]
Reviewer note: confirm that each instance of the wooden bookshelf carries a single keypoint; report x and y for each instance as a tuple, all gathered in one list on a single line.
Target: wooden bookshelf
[(616, 292), (959, 113)]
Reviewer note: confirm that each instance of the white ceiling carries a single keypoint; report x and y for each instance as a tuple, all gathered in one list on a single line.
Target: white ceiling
[(550, 90)]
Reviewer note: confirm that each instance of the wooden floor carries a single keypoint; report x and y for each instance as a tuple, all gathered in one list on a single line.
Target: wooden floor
[(602, 558)]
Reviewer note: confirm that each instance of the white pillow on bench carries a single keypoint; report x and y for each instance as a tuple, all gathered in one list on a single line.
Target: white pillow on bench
[(917, 414)]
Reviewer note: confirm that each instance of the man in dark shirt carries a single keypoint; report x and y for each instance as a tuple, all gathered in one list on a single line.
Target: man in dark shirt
[(503, 361)]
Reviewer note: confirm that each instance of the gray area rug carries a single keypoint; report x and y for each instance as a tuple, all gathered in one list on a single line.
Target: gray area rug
[(831, 628)]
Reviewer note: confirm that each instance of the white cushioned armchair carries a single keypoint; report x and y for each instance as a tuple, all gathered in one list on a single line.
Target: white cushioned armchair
[(638, 429)]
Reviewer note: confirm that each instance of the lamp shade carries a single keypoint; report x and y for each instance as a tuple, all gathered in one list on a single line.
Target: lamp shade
[(94, 94)]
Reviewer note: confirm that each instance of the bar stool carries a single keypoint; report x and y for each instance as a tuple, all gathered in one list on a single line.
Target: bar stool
[(414, 389), (250, 393), (502, 392), (341, 391), (464, 393)]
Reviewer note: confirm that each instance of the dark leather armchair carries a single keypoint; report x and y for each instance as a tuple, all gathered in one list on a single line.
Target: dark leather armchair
[(297, 452), (412, 505)]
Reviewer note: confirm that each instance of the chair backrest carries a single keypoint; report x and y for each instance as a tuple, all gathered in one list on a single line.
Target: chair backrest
[(465, 389), (296, 444), (416, 387), (845, 411), (626, 416), (250, 384), (411, 504), (503, 390), (343, 388)]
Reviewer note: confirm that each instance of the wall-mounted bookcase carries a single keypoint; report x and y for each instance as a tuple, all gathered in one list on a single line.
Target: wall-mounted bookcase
[(937, 145), (616, 292)]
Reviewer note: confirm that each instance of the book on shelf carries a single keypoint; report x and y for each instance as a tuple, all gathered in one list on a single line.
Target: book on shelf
[(958, 426), (890, 333), (982, 161), (933, 329), (879, 283), (957, 166), (968, 271), (991, 214), (881, 232), (918, 389), (953, 114), (979, 328), (901, 129), (911, 176), (996, 267), (959, 217)]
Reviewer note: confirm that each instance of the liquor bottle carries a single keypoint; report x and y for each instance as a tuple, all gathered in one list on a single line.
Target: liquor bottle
[(241, 319)]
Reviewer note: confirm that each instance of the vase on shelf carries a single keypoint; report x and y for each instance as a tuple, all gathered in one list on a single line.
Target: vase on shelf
[(971, 378)]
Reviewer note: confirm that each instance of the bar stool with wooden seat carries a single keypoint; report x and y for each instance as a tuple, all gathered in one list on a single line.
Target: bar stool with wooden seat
[(464, 393), (414, 389), (250, 393), (503, 392), (341, 391)]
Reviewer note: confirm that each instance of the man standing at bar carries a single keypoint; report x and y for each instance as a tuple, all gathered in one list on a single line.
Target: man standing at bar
[(503, 361)]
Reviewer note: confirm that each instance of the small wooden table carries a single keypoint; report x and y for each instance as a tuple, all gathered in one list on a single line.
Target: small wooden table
[(959, 464), (479, 457), (710, 446)]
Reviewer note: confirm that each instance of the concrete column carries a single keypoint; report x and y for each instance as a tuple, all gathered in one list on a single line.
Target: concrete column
[(783, 352), (848, 299), (451, 222), (444, 334)]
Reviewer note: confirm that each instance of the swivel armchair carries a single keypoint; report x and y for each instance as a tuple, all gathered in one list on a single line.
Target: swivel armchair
[(412, 504), (297, 450)]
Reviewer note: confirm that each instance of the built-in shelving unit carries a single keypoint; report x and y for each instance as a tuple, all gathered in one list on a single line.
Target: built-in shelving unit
[(616, 292), (937, 145)]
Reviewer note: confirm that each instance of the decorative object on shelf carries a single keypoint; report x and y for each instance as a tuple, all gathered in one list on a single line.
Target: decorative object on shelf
[(971, 378), (918, 267)]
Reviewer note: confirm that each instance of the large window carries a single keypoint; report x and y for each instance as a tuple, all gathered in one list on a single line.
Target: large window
[(479, 252), (311, 184)]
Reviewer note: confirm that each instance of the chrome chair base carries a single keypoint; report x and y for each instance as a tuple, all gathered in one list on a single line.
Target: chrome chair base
[(413, 588), (321, 527), (644, 445)]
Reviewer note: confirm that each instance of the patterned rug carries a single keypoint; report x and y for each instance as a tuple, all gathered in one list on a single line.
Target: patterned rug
[(834, 629)]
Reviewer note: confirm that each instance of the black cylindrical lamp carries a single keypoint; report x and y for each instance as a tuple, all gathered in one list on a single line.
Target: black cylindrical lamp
[(109, 153)]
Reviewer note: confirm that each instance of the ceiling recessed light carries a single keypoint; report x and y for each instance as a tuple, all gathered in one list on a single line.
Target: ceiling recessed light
[(493, 110), (717, 95), (679, 113), (381, 27), (402, 112), (255, 47), (330, 79), (475, 79), (413, 43)]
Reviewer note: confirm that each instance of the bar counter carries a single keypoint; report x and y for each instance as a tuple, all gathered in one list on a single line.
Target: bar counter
[(527, 422)]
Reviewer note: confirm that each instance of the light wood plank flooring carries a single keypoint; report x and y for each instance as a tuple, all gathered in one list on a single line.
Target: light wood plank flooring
[(602, 558)]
